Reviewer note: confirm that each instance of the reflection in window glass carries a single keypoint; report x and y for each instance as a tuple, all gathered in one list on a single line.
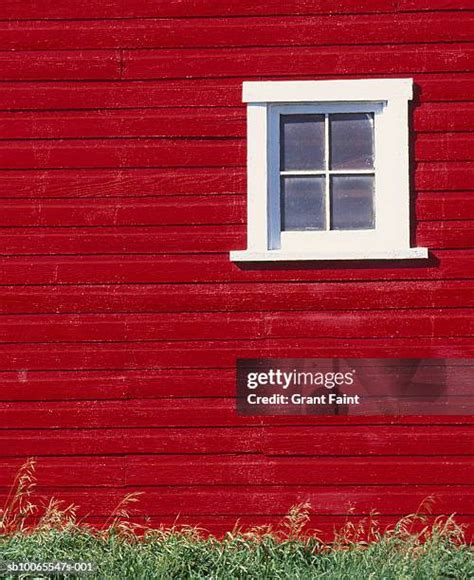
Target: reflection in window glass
[(352, 140), (303, 203), (302, 142), (352, 202)]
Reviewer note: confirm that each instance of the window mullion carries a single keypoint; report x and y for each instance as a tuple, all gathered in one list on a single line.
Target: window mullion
[(304, 172), (326, 166)]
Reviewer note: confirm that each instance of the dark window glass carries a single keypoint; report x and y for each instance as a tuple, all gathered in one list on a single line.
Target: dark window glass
[(303, 203), (352, 141), (352, 202), (302, 142)]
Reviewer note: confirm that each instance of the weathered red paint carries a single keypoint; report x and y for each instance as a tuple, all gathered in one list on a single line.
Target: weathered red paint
[(123, 188)]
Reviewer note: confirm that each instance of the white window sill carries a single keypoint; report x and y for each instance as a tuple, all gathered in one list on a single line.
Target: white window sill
[(284, 256)]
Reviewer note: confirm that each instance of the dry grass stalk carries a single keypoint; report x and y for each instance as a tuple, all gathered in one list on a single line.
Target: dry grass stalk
[(20, 514), (18, 506)]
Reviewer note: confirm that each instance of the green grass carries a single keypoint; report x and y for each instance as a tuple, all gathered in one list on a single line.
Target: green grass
[(418, 547), (186, 555)]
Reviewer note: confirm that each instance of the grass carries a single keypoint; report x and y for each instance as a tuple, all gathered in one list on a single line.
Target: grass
[(417, 547)]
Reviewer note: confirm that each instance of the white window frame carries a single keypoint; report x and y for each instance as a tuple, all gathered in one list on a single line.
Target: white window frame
[(388, 100)]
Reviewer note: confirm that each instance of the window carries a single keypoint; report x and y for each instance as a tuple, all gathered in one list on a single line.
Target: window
[(328, 170)]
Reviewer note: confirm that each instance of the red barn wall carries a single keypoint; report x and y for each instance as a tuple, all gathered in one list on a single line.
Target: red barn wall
[(122, 180)]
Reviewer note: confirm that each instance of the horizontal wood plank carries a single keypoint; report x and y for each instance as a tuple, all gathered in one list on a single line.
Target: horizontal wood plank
[(141, 211), (253, 62), (37, 96), (420, 5), (119, 153), (133, 183), (235, 297), (125, 153), (291, 471), (161, 384), (323, 526), (50, 10), (224, 32), (347, 439), (181, 122), (194, 210), (443, 265), (443, 147), (451, 205), (445, 234), (124, 240), (443, 117), (250, 470), (236, 500), (59, 65), (116, 385), (182, 240), (444, 176), (42, 328), (104, 183), (221, 353), (172, 122)]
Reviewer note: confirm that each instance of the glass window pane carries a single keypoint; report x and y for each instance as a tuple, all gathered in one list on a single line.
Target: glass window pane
[(352, 202), (302, 142), (303, 203), (352, 140)]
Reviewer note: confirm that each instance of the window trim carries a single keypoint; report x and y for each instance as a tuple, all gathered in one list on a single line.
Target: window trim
[(388, 98)]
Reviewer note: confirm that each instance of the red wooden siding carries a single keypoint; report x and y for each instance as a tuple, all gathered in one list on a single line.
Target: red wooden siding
[(122, 186)]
